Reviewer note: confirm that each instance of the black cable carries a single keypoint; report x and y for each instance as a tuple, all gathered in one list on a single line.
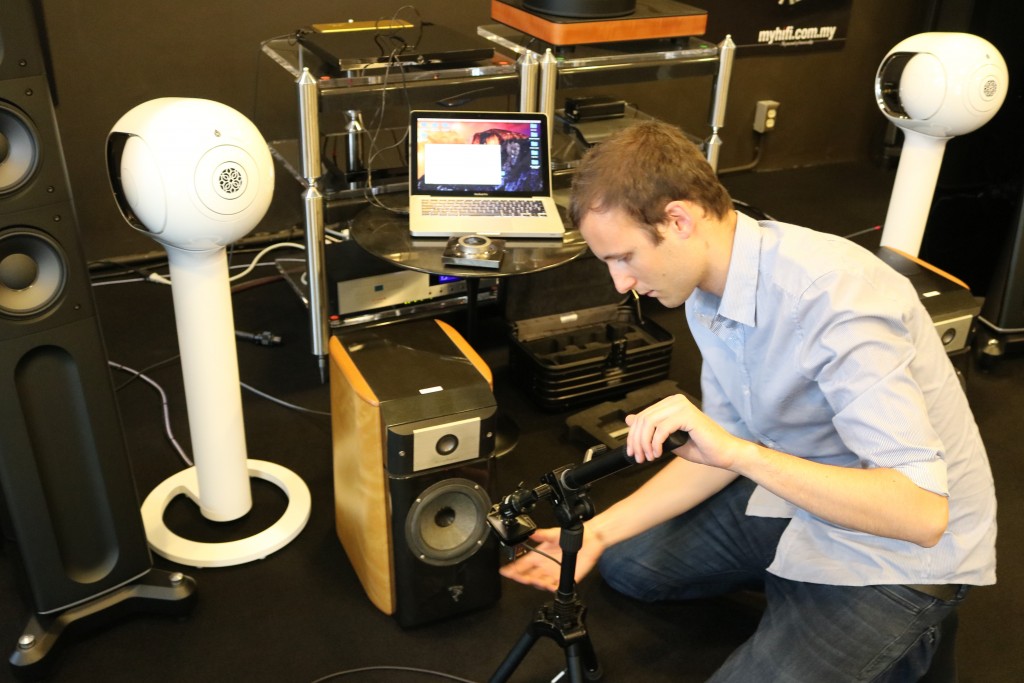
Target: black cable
[(527, 548), (124, 269), (364, 669), (265, 338), (146, 370), (393, 61), (255, 282), (293, 39), (283, 403), (750, 165), (245, 245)]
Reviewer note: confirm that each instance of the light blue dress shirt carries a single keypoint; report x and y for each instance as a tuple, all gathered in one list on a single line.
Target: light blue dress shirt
[(819, 349)]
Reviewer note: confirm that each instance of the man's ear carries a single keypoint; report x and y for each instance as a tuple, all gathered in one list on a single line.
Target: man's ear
[(682, 216)]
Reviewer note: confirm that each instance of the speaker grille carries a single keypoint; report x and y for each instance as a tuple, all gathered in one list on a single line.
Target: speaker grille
[(231, 180), (226, 180)]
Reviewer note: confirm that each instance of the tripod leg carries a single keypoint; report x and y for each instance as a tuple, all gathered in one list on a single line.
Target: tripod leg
[(514, 658), (573, 664), (582, 662)]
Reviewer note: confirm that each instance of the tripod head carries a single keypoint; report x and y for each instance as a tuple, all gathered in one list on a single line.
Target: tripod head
[(566, 488), (510, 521)]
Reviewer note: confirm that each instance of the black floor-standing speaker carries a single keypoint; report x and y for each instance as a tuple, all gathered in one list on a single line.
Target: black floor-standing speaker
[(1001, 323), (413, 431), (68, 502)]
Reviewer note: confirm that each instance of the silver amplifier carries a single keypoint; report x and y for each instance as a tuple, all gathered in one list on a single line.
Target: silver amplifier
[(363, 290)]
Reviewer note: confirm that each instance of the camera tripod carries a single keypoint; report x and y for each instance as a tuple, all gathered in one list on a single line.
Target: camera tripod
[(562, 619)]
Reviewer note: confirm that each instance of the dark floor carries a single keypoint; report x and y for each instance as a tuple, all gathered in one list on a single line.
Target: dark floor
[(301, 615)]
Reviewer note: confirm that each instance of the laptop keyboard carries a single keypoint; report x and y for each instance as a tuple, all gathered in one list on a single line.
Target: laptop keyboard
[(471, 206)]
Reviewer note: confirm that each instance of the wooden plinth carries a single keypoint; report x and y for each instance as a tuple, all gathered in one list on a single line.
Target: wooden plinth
[(652, 19)]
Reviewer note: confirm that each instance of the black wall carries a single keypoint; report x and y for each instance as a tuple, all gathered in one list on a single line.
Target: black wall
[(979, 197), (108, 56)]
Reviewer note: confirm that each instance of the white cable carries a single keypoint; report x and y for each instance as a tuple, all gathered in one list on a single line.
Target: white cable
[(163, 280), (118, 282), (261, 254), (163, 401), (166, 409)]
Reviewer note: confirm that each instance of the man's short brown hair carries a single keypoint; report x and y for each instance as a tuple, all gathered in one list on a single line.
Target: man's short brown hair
[(640, 170)]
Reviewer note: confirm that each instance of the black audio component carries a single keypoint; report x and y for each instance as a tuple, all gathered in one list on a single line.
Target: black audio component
[(594, 107)]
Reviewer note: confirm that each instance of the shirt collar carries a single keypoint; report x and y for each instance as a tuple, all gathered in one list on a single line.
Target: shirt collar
[(739, 299)]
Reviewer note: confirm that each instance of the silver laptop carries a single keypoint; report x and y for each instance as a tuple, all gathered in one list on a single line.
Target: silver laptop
[(483, 173)]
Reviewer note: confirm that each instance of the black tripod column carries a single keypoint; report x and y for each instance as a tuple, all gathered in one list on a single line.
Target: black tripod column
[(562, 620)]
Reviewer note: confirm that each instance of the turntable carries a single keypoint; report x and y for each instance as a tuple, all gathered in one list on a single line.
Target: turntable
[(565, 22)]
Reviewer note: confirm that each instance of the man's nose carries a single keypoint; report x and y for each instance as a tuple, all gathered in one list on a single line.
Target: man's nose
[(623, 281)]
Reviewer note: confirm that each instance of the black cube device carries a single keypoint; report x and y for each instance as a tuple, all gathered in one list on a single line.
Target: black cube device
[(413, 423)]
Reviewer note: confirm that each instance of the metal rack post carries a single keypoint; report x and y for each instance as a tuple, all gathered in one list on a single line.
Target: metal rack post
[(313, 203)]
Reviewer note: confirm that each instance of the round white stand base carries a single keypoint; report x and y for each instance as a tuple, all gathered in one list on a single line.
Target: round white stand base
[(197, 554)]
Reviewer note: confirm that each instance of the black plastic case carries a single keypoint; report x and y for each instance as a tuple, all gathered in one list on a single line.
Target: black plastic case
[(575, 340)]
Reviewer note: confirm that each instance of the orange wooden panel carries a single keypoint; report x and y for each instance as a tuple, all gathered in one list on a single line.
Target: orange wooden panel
[(360, 482), (468, 351), (607, 31)]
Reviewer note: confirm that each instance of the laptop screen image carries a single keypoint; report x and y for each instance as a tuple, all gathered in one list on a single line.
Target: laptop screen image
[(486, 156), (501, 156)]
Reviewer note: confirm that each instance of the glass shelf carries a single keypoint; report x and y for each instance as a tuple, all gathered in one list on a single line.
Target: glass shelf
[(581, 65), (293, 57)]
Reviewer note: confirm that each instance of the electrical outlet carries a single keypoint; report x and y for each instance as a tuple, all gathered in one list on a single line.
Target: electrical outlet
[(765, 114)]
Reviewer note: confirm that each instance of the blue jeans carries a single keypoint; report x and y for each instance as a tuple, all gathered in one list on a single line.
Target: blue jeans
[(809, 632)]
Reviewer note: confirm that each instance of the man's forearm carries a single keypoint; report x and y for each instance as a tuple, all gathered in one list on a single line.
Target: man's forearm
[(877, 501), (679, 486)]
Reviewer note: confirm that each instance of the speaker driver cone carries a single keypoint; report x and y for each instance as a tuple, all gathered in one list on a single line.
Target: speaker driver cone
[(33, 272), (447, 522), (19, 149)]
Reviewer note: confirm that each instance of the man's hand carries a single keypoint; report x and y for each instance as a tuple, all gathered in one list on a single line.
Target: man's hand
[(709, 444), (534, 569)]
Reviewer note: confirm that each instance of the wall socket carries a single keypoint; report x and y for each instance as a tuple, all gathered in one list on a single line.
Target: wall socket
[(765, 114)]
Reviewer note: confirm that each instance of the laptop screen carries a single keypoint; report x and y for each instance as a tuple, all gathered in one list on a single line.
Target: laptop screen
[(479, 154)]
